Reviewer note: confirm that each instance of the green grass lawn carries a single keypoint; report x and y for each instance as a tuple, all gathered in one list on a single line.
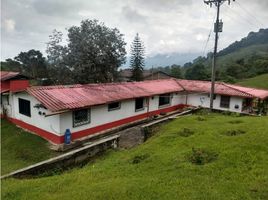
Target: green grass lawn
[(160, 168), (20, 149), (258, 82)]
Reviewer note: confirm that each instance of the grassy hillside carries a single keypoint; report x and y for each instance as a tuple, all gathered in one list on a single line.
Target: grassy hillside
[(163, 167), (20, 149), (258, 82)]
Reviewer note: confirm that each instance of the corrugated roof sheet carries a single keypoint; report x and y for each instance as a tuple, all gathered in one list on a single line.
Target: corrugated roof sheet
[(5, 75), (59, 98), (258, 93), (205, 86)]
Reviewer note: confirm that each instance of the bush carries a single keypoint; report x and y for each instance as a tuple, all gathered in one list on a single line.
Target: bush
[(186, 132), (138, 158), (199, 118), (203, 111), (227, 113), (236, 122), (201, 156), (234, 132)]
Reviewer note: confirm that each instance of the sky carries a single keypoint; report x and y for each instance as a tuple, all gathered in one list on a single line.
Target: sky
[(165, 26)]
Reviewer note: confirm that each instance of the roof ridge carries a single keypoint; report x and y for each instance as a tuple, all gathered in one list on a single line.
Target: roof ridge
[(48, 87), (249, 87), (230, 86), (177, 81)]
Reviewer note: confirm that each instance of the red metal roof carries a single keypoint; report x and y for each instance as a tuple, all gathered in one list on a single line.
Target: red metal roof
[(258, 93), (5, 75), (205, 86), (58, 98)]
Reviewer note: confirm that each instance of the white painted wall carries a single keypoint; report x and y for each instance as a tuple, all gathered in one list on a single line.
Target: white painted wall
[(203, 101), (100, 114), (57, 124), (50, 124)]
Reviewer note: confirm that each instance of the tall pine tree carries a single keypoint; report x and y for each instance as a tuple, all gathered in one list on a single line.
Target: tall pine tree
[(137, 59)]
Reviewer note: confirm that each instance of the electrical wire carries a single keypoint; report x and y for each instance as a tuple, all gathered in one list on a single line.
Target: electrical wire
[(247, 11), (241, 16), (205, 48)]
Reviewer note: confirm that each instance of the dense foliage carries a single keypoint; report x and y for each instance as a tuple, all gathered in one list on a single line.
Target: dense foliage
[(31, 63), (93, 54)]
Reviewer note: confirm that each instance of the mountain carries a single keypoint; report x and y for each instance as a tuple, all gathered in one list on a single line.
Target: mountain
[(166, 59), (253, 38), (170, 59), (240, 60)]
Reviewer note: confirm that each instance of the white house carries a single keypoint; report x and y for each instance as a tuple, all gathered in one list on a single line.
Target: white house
[(89, 109)]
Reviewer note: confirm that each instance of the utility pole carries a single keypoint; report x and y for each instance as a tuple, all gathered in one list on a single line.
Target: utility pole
[(217, 28)]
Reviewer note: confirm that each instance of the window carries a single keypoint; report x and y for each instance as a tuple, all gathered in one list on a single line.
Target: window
[(24, 107), (114, 106), (225, 102), (164, 99), (139, 104), (81, 117)]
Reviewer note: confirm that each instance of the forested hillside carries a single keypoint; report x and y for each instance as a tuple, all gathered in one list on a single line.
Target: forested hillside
[(242, 59)]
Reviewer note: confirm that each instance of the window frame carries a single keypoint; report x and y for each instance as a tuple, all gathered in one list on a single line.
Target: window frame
[(139, 109), (116, 108), (22, 110), (88, 121), (224, 104), (161, 96)]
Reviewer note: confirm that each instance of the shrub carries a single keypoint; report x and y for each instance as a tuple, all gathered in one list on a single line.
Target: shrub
[(138, 158), (186, 132), (203, 112), (236, 122), (199, 118), (227, 113), (201, 156), (234, 132)]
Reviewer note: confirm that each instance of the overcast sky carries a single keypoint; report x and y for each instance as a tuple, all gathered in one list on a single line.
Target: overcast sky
[(165, 26)]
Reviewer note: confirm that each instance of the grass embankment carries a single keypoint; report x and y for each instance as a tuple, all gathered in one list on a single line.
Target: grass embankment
[(260, 81), (20, 149), (162, 167)]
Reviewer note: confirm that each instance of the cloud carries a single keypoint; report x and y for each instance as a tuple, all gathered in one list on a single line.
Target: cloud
[(133, 15), (9, 25), (165, 26)]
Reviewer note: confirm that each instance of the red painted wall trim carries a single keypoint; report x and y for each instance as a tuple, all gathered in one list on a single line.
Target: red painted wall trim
[(96, 129), (79, 134), (44, 134)]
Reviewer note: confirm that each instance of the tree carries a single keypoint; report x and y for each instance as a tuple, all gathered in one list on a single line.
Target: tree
[(93, 53), (176, 71), (33, 63), (137, 59), (11, 65), (197, 72), (59, 72)]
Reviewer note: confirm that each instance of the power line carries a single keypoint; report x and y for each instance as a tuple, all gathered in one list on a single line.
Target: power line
[(205, 48), (247, 11), (242, 17)]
